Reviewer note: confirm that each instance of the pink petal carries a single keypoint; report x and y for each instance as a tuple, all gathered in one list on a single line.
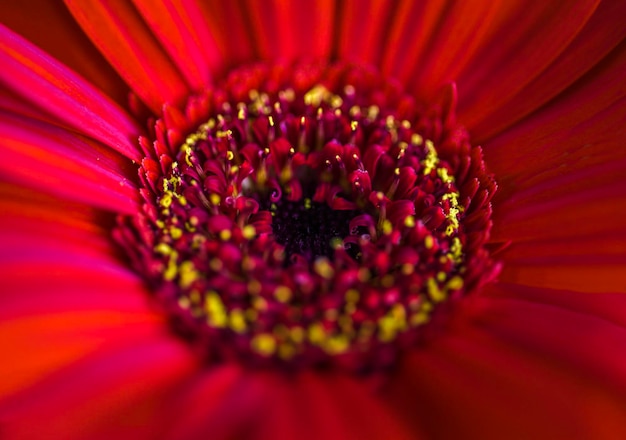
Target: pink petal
[(57, 161), (69, 98), (67, 43)]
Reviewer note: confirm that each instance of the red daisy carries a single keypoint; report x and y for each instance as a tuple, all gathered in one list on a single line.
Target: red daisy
[(309, 248)]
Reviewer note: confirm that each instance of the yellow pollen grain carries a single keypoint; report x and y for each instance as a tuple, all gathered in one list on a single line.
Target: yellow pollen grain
[(263, 344), (441, 276), (337, 344), (450, 229), (354, 125), (435, 293), (283, 294), (316, 95), (429, 242), (172, 269), (163, 249), (307, 203), (387, 227), (409, 221), (188, 274), (444, 176), (166, 200), (419, 319), (372, 112), (176, 233), (407, 269), (248, 232), (214, 199), (456, 249), (316, 333), (323, 268), (336, 101), (237, 321), (225, 235), (455, 283), (215, 309)]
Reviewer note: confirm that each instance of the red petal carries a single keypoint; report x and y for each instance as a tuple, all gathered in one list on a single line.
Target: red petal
[(228, 26), (57, 161), (601, 34), (116, 392), (82, 58), (181, 32), (126, 42), (523, 42), (69, 98), (330, 406), (354, 43), (467, 384), (287, 30)]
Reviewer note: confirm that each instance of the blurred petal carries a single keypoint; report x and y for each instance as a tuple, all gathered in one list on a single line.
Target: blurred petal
[(116, 392), (67, 43), (232, 36), (601, 34), (125, 41), (354, 43), (524, 41), (292, 30), (176, 25), (467, 384), (50, 85), (330, 405), (60, 162), (65, 294)]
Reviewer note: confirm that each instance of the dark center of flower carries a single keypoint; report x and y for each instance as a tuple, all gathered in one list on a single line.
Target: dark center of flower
[(305, 215), (309, 229)]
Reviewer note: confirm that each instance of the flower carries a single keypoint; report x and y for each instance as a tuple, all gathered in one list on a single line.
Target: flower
[(538, 353)]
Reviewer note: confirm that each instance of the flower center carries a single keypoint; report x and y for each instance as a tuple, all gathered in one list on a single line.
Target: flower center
[(313, 215), (308, 228)]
